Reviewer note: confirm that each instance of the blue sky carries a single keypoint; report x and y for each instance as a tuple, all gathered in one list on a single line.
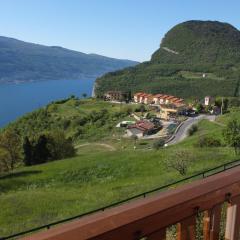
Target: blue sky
[(130, 29)]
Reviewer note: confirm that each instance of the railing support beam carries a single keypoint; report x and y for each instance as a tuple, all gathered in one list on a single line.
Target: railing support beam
[(215, 222), (160, 235), (233, 222), (186, 230)]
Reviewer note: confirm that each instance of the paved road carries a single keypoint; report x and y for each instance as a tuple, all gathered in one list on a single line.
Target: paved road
[(182, 131)]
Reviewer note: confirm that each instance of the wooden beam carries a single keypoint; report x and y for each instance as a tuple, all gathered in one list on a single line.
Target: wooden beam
[(215, 222), (206, 225), (186, 230), (160, 235), (233, 222)]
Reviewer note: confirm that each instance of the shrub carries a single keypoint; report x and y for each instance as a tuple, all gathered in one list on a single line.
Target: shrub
[(158, 144), (180, 161), (232, 135), (193, 129), (208, 141)]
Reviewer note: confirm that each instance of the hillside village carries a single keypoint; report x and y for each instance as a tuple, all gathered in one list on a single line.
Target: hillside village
[(159, 115)]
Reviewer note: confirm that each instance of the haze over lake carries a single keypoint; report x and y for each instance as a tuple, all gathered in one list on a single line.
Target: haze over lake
[(18, 99)]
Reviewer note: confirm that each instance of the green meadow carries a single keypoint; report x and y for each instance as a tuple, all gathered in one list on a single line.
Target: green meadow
[(98, 176)]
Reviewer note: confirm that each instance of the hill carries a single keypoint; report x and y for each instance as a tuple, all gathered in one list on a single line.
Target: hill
[(187, 51), (22, 61), (98, 177)]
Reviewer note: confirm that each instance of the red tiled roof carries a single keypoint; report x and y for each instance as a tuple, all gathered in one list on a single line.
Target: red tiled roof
[(157, 95), (165, 96), (142, 125), (179, 101), (174, 99), (148, 95), (170, 97), (138, 94), (143, 95)]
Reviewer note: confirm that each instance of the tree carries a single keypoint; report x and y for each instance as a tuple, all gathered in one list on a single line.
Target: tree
[(27, 152), (142, 109), (199, 108), (179, 161), (4, 160), (134, 138), (84, 95), (225, 105), (59, 146), (10, 143), (158, 144), (232, 135), (41, 153), (192, 130)]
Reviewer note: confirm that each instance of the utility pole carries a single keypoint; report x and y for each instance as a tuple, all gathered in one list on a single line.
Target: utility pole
[(222, 107)]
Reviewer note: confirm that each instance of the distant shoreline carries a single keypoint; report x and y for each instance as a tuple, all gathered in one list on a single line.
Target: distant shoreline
[(20, 82)]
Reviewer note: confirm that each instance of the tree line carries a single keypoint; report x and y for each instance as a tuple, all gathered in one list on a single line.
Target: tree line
[(31, 150)]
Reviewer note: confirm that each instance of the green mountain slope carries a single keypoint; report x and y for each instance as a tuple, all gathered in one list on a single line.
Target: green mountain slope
[(186, 52), (22, 61)]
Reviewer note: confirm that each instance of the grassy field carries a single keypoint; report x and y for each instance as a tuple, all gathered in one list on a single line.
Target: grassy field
[(98, 176)]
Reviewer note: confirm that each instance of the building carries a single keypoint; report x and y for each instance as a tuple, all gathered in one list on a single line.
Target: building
[(141, 128), (156, 98), (117, 96), (148, 99), (208, 100), (178, 102), (168, 111), (137, 96), (142, 98), (168, 99)]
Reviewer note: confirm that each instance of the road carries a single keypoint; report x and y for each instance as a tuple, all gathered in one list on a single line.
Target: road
[(182, 131)]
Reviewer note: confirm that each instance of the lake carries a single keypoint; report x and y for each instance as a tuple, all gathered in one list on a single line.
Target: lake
[(18, 99)]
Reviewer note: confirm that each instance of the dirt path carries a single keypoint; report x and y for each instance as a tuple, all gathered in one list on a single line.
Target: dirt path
[(109, 147), (170, 50)]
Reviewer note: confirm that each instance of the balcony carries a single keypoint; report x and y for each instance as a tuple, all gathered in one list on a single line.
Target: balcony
[(198, 210)]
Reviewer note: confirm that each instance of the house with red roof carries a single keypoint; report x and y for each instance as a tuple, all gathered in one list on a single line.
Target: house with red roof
[(141, 128), (159, 99), (156, 98), (137, 96)]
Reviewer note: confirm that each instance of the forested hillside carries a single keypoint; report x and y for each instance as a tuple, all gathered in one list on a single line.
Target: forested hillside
[(187, 52), (22, 61)]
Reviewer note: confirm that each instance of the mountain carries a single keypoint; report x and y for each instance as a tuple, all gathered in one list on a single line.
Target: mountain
[(195, 58), (22, 61)]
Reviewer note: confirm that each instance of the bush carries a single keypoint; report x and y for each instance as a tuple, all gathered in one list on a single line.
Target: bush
[(47, 147), (208, 141), (158, 144), (180, 160), (193, 129)]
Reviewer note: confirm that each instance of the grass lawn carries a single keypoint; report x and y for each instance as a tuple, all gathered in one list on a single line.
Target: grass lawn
[(33, 196)]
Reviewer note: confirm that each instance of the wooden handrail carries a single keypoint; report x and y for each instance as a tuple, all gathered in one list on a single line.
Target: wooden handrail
[(150, 217)]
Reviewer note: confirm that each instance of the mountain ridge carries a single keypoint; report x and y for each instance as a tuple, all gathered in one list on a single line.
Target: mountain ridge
[(193, 48), (24, 61)]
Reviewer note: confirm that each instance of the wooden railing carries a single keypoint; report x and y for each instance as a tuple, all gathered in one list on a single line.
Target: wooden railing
[(199, 210)]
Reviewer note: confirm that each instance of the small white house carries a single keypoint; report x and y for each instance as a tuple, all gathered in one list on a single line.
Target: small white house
[(208, 100)]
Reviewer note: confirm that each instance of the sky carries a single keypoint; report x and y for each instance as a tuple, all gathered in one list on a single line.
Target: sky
[(126, 29)]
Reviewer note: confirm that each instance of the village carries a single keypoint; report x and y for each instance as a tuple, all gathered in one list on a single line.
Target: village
[(161, 115)]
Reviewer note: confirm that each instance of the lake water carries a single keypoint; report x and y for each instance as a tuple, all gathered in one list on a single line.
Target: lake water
[(18, 99)]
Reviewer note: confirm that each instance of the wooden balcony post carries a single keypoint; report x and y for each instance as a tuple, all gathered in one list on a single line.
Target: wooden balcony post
[(206, 225), (215, 222), (160, 235), (186, 230), (233, 222)]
